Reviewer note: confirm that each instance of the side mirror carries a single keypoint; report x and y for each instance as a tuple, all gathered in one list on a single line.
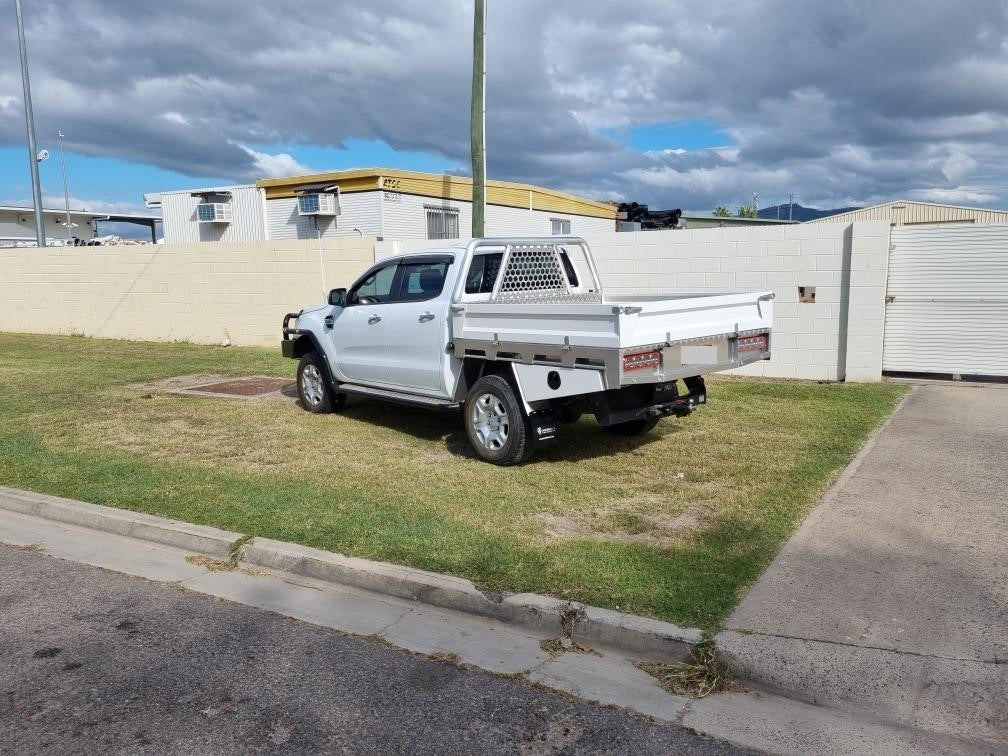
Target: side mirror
[(337, 297)]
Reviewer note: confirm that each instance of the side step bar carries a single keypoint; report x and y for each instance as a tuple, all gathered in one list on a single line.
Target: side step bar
[(399, 397)]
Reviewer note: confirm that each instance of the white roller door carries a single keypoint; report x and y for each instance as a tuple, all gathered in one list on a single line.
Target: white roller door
[(947, 300)]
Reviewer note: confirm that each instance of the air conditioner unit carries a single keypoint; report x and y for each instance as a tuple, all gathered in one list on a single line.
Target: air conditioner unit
[(322, 203), (213, 212)]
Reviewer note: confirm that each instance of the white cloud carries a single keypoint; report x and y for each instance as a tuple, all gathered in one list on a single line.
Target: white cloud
[(958, 196), (958, 167), (269, 166), (173, 117)]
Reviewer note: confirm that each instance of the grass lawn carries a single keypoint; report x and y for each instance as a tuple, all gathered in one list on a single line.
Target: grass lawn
[(675, 525)]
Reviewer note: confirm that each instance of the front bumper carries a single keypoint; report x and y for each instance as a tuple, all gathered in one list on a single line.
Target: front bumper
[(287, 345)]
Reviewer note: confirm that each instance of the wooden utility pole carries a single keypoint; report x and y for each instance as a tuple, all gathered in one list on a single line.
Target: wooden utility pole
[(478, 120)]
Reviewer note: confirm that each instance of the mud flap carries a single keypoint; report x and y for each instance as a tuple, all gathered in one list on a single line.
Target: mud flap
[(542, 428)]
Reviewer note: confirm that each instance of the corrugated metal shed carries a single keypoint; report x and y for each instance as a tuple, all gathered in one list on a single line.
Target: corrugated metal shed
[(180, 224), (907, 213)]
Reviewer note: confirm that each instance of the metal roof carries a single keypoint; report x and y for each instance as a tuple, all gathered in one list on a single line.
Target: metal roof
[(448, 186), (910, 212), (96, 215)]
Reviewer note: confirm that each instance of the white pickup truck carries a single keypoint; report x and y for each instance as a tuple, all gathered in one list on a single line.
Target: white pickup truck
[(519, 335)]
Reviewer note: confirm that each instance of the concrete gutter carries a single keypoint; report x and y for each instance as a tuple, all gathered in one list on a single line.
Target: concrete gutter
[(641, 637)]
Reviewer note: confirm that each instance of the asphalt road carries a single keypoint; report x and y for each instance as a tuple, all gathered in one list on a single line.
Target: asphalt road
[(94, 661)]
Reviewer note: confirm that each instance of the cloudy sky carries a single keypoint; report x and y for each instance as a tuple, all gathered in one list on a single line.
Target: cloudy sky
[(676, 104)]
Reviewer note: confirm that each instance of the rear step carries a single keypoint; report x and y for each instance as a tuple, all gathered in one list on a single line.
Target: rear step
[(400, 397)]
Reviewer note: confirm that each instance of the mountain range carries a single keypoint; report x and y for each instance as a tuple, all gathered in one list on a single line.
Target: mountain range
[(798, 212)]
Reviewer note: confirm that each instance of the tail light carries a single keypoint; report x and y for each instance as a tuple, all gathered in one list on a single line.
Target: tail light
[(757, 343), (642, 361)]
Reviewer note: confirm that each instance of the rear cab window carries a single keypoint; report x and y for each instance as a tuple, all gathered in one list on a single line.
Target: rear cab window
[(486, 267)]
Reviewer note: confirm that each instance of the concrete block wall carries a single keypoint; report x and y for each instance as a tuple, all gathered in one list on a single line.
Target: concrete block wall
[(205, 293), (212, 292), (869, 270), (838, 337)]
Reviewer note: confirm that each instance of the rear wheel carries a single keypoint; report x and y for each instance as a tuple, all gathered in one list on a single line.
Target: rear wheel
[(495, 422), (313, 386), (633, 427)]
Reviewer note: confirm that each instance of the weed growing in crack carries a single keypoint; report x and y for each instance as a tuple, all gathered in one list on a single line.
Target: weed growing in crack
[(705, 675)]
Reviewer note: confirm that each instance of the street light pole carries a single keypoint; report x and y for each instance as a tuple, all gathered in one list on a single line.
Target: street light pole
[(30, 125), (477, 140), (66, 190)]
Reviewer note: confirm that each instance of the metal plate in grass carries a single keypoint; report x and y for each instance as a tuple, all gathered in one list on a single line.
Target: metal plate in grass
[(247, 386)]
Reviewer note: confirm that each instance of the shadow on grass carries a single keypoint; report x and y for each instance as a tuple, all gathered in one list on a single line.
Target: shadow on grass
[(577, 441)]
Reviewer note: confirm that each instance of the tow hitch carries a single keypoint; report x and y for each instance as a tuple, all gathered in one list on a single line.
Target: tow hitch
[(680, 406)]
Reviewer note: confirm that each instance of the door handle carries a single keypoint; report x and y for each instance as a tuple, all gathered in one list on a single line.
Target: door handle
[(373, 319), (426, 316)]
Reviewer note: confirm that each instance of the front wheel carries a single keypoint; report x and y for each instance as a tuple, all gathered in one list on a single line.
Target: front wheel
[(495, 422), (633, 427), (313, 386)]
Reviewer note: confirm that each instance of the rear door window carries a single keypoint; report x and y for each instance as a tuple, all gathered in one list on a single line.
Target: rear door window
[(422, 281)]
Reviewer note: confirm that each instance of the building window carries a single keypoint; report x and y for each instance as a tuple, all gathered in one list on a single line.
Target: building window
[(308, 204), (213, 212), (560, 226), (442, 222)]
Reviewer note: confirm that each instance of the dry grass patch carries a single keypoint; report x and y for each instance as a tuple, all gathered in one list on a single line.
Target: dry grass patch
[(698, 679)]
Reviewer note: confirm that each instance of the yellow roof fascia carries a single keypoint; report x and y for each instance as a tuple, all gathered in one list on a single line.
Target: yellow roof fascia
[(444, 186)]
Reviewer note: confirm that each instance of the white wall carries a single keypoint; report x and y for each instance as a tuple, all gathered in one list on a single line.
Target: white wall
[(404, 218), (358, 210), (826, 340), (206, 293), (19, 225), (180, 226), (837, 338), (391, 215)]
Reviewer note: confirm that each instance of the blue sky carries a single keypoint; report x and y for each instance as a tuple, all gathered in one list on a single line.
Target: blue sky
[(115, 183), (122, 184), (689, 135)]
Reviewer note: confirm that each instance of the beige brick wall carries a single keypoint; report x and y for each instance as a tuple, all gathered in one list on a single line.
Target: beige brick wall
[(809, 340), (205, 293)]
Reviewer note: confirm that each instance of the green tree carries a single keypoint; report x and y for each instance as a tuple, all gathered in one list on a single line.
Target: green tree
[(722, 211), (747, 211)]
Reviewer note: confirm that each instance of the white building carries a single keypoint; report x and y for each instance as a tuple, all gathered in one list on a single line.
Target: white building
[(910, 213), (17, 224), (375, 202)]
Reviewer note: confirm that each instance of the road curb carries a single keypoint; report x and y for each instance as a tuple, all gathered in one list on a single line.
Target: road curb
[(630, 633), (183, 535), (642, 637)]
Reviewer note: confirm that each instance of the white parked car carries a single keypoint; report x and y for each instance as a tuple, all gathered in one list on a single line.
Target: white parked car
[(519, 335)]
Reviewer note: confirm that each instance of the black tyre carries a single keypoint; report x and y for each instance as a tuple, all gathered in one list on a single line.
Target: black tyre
[(495, 422), (313, 386), (633, 427)]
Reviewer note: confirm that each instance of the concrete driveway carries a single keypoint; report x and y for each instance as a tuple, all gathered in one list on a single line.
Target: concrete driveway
[(892, 598)]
